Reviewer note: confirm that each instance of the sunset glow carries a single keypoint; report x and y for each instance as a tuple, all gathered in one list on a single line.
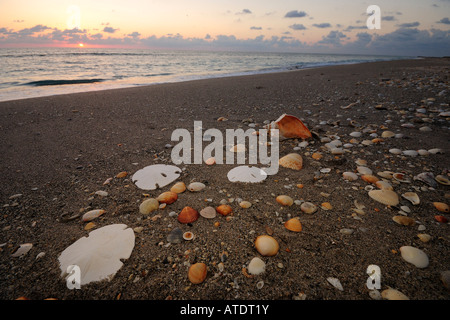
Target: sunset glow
[(312, 26)]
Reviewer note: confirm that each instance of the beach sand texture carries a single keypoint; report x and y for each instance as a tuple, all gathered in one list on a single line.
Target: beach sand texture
[(58, 151)]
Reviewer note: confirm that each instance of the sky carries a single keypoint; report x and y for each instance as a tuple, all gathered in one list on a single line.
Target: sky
[(407, 27)]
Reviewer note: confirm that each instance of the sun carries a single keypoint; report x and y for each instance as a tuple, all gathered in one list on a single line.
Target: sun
[(81, 45)]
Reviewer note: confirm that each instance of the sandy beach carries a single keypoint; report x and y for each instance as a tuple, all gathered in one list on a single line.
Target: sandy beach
[(58, 151)]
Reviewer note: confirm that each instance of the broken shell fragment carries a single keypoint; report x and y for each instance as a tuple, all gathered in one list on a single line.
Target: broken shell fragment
[(308, 207), (188, 215), (381, 184), (411, 197), (266, 245), (350, 176), (441, 206), (369, 178), (392, 294), (386, 197), (168, 197), (22, 250), (285, 200), (245, 204), (293, 224), (428, 178), (401, 177), (197, 273), (224, 209), (292, 161)]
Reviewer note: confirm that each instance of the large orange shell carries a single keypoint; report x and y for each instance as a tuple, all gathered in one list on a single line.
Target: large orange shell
[(197, 273), (224, 209), (188, 215), (291, 127), (266, 245)]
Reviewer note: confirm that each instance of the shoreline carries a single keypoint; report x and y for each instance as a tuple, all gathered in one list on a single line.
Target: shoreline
[(175, 79), (58, 151)]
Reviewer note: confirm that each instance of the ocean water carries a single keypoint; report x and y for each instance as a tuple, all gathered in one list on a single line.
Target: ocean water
[(28, 73)]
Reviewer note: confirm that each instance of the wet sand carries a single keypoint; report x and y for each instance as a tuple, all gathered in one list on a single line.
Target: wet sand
[(58, 151)]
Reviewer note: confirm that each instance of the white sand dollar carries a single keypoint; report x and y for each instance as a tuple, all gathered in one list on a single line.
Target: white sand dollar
[(98, 255), (246, 174), (155, 176)]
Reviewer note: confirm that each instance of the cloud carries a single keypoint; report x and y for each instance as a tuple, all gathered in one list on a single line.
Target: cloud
[(350, 28), (297, 26), (244, 11), (109, 29), (134, 34), (409, 25), (255, 28), (322, 25), (333, 38), (295, 14), (444, 21), (36, 29), (388, 18), (18, 21)]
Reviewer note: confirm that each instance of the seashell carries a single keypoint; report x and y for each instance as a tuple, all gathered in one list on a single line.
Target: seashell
[(435, 151), (406, 221), (101, 193), (224, 209), (256, 266), (317, 156), (148, 206), (188, 235), (155, 176), (188, 215), (387, 134), (428, 178), (441, 206), (245, 204), (197, 273), (442, 180), (290, 127), (326, 206), (246, 174), (91, 215), (238, 148), (441, 219), (122, 174), (424, 237), (395, 151), (350, 176), (414, 256), (363, 170), (168, 197), (392, 294), (401, 177), (386, 197), (293, 224), (208, 213), (266, 245), (369, 178), (292, 161), (308, 207), (285, 200), (22, 250), (384, 185), (410, 153), (386, 174), (175, 236), (210, 161), (196, 186), (445, 278), (178, 187), (335, 283), (411, 197), (360, 162), (423, 152)]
